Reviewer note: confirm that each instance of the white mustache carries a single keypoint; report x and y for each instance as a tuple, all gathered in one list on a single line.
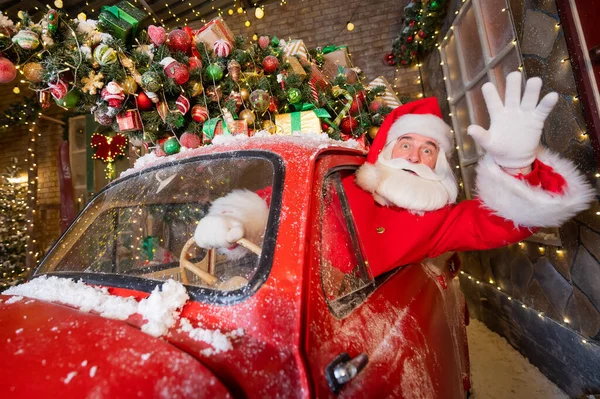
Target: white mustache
[(419, 169)]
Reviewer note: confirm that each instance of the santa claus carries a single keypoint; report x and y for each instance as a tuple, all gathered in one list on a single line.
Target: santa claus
[(403, 199)]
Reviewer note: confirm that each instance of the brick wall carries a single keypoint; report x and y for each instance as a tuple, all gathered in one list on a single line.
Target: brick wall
[(323, 22), (14, 143)]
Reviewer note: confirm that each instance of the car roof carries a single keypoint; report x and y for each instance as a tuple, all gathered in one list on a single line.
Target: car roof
[(306, 146)]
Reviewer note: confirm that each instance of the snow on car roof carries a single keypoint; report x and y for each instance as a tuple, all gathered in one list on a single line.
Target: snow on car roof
[(312, 142)]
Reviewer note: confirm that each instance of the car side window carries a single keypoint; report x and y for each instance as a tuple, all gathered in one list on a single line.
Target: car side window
[(344, 274)]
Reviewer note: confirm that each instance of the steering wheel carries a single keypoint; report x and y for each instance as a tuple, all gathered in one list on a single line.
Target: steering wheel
[(205, 268)]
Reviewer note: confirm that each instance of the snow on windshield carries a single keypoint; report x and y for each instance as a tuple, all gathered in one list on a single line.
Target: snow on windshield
[(314, 140), (161, 310)]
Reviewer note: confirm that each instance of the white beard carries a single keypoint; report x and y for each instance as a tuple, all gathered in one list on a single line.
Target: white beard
[(392, 183)]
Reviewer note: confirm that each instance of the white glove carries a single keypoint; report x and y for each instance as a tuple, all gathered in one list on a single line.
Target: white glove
[(218, 231), (516, 126)]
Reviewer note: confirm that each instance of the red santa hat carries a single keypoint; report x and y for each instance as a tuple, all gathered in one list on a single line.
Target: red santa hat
[(421, 117)]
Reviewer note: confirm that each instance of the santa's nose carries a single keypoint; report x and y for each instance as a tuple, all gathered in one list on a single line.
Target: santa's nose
[(413, 157)]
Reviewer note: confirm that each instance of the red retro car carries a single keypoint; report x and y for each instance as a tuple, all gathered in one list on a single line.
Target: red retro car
[(281, 321)]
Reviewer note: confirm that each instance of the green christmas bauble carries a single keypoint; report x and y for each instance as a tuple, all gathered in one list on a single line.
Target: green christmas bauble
[(260, 99), (214, 72), (274, 41), (151, 81), (434, 5), (105, 55), (179, 121), (294, 95), (171, 146), (70, 100)]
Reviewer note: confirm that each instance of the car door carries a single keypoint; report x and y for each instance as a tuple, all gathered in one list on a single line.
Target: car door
[(393, 330)]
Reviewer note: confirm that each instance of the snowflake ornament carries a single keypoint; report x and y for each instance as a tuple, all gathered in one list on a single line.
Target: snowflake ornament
[(92, 82)]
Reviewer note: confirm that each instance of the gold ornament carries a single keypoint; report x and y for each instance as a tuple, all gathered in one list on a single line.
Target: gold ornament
[(129, 85), (248, 116), (269, 126), (33, 72), (373, 131), (245, 94), (196, 88)]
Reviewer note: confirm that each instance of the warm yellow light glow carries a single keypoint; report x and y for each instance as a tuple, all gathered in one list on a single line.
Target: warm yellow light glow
[(240, 10), (255, 37), (350, 26), (259, 13), (81, 16), (247, 23), (230, 12), (16, 90)]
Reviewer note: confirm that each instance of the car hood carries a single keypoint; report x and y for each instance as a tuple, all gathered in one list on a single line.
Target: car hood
[(50, 350)]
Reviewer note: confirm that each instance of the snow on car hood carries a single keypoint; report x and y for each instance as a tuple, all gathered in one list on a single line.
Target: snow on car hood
[(160, 311), (49, 350)]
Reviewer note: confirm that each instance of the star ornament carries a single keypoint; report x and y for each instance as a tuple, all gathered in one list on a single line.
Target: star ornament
[(108, 148)]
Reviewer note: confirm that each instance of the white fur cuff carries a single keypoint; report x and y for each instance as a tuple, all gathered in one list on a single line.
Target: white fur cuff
[(529, 206)]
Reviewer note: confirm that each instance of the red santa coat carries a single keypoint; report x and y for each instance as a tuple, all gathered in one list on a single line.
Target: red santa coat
[(392, 236), (507, 210)]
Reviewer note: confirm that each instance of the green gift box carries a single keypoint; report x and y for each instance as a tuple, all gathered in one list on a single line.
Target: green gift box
[(122, 20)]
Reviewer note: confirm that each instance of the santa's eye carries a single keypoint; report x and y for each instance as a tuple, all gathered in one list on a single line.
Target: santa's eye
[(405, 146)]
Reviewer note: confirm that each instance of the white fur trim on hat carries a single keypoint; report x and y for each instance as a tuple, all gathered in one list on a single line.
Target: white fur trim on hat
[(427, 125), (529, 206)]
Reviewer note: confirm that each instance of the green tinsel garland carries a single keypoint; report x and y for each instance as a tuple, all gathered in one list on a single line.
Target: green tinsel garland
[(422, 21)]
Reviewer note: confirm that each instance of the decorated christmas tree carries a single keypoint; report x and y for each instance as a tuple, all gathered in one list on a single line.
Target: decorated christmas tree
[(166, 89), (13, 234)]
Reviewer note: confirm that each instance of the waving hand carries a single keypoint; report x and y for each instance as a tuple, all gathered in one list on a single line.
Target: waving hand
[(516, 126)]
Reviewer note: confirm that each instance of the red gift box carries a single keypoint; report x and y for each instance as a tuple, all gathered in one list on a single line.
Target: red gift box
[(129, 120)]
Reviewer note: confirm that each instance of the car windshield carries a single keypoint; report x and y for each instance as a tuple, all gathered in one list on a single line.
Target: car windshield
[(140, 225)]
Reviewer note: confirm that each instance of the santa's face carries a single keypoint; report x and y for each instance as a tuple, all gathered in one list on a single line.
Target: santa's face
[(416, 149)]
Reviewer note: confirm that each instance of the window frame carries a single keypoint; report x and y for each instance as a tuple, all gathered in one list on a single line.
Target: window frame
[(342, 306), (490, 62), (199, 294)]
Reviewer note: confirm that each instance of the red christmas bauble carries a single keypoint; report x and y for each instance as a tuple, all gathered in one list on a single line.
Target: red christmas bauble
[(324, 126), (143, 102), (8, 72), (421, 34), (362, 96), (412, 23), (178, 40), (389, 59), (409, 39), (376, 105), (199, 113), (182, 104), (194, 62), (176, 71), (273, 105), (356, 106), (190, 140), (222, 48), (270, 64), (348, 125)]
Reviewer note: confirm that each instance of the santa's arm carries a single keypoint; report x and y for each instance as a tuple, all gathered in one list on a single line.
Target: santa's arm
[(239, 214), (510, 208)]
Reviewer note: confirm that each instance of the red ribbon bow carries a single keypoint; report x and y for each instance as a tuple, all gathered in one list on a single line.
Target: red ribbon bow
[(108, 148)]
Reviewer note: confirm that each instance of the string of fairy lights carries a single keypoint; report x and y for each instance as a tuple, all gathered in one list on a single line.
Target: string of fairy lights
[(490, 283)]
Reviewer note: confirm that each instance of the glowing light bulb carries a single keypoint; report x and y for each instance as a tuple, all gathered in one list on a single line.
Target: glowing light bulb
[(350, 26), (259, 13)]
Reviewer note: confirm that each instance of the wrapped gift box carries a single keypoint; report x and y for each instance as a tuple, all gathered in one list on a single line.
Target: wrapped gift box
[(304, 121), (338, 61), (129, 120), (214, 30), (295, 66), (122, 20), (216, 127), (389, 97), (296, 47)]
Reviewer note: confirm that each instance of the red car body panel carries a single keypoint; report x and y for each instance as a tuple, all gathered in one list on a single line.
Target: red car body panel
[(411, 328), (53, 351)]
